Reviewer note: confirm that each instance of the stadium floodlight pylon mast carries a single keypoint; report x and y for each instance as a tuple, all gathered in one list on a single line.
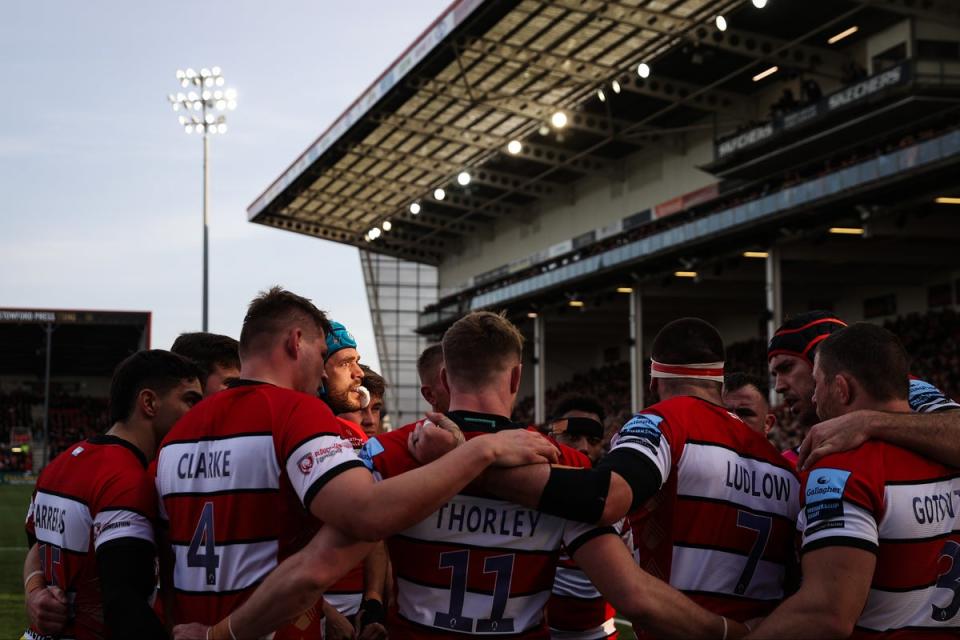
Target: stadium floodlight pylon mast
[(207, 98)]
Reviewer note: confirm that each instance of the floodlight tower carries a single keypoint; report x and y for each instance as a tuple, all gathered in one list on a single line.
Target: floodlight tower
[(207, 97)]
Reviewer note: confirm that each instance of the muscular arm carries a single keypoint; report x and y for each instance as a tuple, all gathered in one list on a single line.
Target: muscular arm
[(125, 567), (933, 435), (579, 494), (375, 573), (836, 583), (650, 604), (367, 511)]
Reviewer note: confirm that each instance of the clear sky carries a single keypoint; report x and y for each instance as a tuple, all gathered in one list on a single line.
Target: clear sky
[(100, 188)]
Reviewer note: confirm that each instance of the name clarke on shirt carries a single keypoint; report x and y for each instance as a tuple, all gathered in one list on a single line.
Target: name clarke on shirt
[(209, 464)]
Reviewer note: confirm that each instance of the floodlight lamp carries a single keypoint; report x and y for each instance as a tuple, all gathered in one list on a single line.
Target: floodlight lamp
[(558, 120), (182, 120), (721, 23), (206, 95), (221, 105), (184, 83), (181, 74), (463, 178), (201, 128), (176, 106), (188, 128), (759, 4), (191, 73), (219, 81), (543, 130), (387, 225), (439, 194), (197, 105), (514, 147), (208, 81), (601, 95), (415, 208), (643, 70), (205, 72), (209, 118), (218, 94), (615, 85)]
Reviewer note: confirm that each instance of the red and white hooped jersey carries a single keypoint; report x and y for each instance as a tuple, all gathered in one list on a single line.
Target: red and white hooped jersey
[(722, 527), (576, 610), (96, 491), (236, 476), (906, 509), (478, 565)]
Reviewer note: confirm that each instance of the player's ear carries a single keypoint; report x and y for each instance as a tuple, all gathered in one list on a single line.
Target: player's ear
[(291, 343), (768, 423), (148, 402), (427, 392), (844, 388), (515, 373)]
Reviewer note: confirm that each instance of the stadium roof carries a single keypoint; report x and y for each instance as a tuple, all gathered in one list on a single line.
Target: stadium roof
[(83, 342), (487, 73)]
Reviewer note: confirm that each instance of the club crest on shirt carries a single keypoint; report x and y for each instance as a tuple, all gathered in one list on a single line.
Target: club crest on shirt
[(305, 464)]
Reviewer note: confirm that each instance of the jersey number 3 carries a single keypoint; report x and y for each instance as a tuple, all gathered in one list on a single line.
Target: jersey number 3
[(459, 563), (203, 535)]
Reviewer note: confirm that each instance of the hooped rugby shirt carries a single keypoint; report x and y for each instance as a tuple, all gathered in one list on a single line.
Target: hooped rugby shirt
[(906, 509), (94, 492), (722, 527), (236, 476), (478, 565)]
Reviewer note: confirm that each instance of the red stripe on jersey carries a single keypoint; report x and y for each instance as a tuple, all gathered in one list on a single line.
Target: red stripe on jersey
[(419, 561), (725, 534), (577, 614)]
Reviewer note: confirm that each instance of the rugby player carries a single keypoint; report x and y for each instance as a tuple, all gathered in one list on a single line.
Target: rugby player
[(91, 520), (576, 610), (429, 365), (933, 429), (720, 524), (880, 524), (216, 355), (343, 375), (482, 566), (748, 397), (240, 476), (370, 417)]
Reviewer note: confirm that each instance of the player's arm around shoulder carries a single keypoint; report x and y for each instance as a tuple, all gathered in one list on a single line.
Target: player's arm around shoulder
[(650, 604)]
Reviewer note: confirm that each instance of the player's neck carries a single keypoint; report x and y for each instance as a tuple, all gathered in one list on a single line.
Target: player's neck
[(481, 402), (890, 406), (263, 370), (138, 434), (709, 395)]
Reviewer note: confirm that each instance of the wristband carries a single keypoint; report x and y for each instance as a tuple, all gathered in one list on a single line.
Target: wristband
[(371, 612), (31, 576), (724, 628), (223, 630)]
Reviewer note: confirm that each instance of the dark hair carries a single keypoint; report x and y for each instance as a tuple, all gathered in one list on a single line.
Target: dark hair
[(579, 402), (738, 380), (430, 358), (273, 312), (373, 381), (872, 356), (208, 350), (480, 345), (687, 341), (156, 369)]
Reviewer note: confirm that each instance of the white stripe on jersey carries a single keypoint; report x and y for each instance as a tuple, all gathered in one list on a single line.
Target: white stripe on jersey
[(346, 603), (62, 522), (922, 510), (113, 524), (315, 458), (717, 473), (485, 522), (574, 583), (852, 522), (227, 464), (718, 572), (421, 605), (240, 565), (887, 610), (597, 633), (642, 434)]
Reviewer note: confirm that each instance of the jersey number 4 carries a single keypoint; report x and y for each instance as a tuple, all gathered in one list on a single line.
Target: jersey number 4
[(203, 535), (459, 563)]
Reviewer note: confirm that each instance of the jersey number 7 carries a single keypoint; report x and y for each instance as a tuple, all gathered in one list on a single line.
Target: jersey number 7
[(762, 525)]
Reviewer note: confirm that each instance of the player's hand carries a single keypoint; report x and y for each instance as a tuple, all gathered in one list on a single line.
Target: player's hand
[(434, 437), (842, 433), (337, 626), (47, 609), (192, 631), (375, 631), (517, 447)]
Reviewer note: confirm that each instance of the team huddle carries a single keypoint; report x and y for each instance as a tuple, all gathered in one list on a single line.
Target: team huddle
[(247, 490)]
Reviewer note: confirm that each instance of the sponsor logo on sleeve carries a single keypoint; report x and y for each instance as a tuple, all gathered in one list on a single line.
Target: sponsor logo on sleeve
[(305, 464), (369, 451), (824, 499), (643, 429), (926, 398)]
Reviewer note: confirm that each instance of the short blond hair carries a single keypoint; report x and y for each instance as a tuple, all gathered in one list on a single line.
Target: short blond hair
[(479, 346)]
